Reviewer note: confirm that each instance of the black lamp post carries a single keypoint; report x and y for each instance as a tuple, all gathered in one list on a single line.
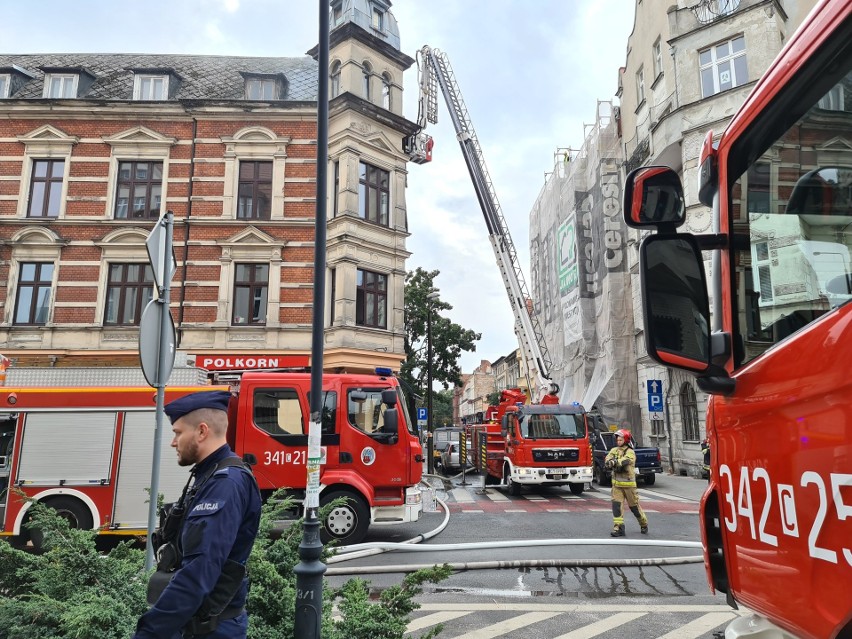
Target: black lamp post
[(430, 452)]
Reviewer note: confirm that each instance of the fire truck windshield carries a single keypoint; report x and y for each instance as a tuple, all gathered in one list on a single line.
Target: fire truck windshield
[(553, 426)]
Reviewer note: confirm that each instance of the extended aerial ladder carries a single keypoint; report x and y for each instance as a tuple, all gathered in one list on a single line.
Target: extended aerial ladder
[(434, 70)]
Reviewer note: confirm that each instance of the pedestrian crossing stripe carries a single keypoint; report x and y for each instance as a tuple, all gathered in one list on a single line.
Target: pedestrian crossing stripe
[(711, 616)]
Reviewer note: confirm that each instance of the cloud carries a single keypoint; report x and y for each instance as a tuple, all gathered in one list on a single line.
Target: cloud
[(231, 6)]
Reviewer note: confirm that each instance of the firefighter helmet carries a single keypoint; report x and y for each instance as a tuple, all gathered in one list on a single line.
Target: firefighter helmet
[(625, 434)]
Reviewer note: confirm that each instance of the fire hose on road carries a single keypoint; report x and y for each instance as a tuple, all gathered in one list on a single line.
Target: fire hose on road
[(358, 551)]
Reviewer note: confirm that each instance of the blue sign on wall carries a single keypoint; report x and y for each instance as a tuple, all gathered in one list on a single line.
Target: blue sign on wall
[(655, 396)]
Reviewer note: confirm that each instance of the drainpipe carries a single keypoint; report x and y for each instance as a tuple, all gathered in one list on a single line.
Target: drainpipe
[(186, 232), (669, 428)]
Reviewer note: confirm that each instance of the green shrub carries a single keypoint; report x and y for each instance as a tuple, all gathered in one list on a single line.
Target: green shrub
[(71, 591)]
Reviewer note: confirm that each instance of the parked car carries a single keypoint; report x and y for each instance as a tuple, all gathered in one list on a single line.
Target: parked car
[(648, 460), (443, 436)]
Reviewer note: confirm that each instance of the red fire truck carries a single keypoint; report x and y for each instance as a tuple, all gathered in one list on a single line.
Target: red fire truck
[(87, 451), (775, 352), (543, 444)]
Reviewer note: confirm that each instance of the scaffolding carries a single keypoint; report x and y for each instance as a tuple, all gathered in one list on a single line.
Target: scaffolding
[(580, 276)]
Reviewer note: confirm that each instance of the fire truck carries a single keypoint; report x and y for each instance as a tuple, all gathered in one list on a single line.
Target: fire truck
[(544, 444), (774, 353), (516, 455), (87, 452)]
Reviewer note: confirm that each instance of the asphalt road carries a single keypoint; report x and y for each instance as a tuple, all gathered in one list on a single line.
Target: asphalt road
[(549, 595)]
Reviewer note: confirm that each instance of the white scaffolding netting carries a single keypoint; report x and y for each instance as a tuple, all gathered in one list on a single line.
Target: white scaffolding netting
[(580, 276)]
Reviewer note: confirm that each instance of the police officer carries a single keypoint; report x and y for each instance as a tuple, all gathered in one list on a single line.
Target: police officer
[(200, 587), (621, 460)]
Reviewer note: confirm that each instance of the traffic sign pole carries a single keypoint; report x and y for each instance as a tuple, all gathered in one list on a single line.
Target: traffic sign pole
[(165, 361)]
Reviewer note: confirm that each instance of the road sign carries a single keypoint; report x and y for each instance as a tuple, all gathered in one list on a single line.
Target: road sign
[(655, 396), (149, 344), (156, 244), (422, 414)]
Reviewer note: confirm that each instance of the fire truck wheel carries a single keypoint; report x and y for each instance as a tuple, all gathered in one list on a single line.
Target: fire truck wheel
[(576, 489), (514, 487), (346, 523), (70, 509)]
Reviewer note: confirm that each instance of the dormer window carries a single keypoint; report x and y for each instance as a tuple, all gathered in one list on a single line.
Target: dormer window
[(60, 85), (150, 87), (337, 15), (5, 81), (378, 19), (260, 88)]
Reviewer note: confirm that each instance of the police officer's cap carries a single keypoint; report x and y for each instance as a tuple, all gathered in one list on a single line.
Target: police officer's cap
[(217, 400)]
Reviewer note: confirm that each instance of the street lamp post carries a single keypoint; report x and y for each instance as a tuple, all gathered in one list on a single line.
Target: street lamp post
[(430, 450)]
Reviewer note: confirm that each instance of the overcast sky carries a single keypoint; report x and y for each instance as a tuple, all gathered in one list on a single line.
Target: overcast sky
[(530, 72)]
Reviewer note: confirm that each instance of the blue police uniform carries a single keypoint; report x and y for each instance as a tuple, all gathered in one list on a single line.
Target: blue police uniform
[(221, 523)]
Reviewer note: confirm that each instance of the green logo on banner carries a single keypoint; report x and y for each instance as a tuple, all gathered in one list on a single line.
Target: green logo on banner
[(567, 243)]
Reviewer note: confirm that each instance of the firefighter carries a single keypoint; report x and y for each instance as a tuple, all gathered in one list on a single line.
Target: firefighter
[(200, 586), (705, 452), (621, 460)]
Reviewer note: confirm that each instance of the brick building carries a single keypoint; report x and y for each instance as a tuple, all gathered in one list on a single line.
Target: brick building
[(95, 148)]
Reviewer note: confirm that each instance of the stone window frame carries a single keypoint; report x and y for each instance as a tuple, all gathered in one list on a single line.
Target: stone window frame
[(5, 85), (44, 143), (32, 244), (125, 245), (137, 144), (249, 246), (254, 143)]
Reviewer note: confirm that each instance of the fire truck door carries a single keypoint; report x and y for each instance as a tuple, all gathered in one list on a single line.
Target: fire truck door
[(379, 456), (278, 435)]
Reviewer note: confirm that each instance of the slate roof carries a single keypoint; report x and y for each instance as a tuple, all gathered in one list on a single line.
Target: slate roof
[(200, 77)]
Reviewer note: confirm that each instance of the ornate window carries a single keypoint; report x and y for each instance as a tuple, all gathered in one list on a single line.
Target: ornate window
[(689, 413), (374, 194), (32, 301), (46, 183), (139, 191), (371, 299), (129, 289), (251, 284), (723, 66), (334, 83), (255, 191)]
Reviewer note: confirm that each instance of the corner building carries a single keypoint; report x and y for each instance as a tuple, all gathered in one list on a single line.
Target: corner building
[(95, 148)]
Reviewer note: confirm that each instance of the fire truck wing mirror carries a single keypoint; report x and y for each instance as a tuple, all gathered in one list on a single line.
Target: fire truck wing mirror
[(823, 191), (653, 197), (676, 307), (389, 397)]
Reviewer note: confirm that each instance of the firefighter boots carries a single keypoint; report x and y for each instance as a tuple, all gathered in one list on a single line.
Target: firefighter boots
[(617, 531), (644, 529)]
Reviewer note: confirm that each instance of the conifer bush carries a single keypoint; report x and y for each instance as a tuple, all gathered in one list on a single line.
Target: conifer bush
[(72, 591)]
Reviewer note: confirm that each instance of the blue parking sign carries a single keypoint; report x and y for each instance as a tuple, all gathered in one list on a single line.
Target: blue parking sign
[(655, 396), (421, 414)]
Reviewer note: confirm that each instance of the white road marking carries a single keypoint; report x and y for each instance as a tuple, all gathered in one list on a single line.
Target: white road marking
[(699, 627), (435, 618), (602, 626), (461, 495), (507, 626)]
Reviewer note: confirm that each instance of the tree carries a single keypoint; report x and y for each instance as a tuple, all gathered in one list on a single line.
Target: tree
[(448, 339), (442, 408)]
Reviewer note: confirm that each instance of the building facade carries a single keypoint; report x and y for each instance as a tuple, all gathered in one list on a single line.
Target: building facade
[(94, 149), (689, 67)]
